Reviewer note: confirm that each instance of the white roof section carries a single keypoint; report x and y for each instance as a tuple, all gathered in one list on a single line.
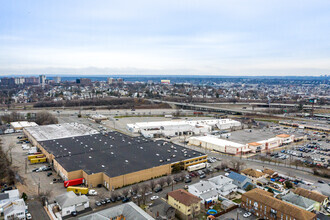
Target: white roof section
[(58, 131), (129, 210), (217, 141), (209, 122), (69, 199), (22, 124)]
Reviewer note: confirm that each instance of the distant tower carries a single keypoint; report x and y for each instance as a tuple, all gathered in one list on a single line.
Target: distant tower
[(42, 80), (57, 79)]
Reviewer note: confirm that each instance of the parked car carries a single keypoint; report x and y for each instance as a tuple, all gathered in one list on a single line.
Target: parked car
[(103, 202), (158, 189), (74, 213), (187, 180), (127, 199), (247, 214), (202, 176), (107, 200), (49, 174), (97, 203), (154, 197), (28, 215)]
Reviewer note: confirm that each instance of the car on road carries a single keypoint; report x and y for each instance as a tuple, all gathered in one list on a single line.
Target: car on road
[(97, 203), (247, 214), (154, 197), (321, 181), (148, 193), (28, 215), (74, 213)]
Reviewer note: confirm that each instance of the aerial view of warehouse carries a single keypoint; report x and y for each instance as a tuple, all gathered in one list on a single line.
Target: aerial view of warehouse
[(112, 159)]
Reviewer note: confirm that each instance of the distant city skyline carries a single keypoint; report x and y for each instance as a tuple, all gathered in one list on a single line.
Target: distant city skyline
[(234, 38)]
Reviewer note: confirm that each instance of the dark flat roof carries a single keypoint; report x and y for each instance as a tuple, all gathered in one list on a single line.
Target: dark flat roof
[(114, 153)]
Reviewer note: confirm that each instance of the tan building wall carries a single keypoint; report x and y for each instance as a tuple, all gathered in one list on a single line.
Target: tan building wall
[(185, 212)]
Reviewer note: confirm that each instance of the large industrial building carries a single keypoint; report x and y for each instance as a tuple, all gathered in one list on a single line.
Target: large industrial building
[(112, 159), (181, 127)]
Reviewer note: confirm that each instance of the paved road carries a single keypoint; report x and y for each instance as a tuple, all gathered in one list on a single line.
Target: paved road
[(37, 210)]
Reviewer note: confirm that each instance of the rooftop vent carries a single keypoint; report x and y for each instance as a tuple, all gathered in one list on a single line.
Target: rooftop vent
[(173, 155), (141, 148), (126, 161), (90, 157), (168, 160), (157, 155), (102, 166), (91, 148), (160, 161)]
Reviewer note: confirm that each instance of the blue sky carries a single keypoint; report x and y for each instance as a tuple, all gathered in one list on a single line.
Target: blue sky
[(232, 37)]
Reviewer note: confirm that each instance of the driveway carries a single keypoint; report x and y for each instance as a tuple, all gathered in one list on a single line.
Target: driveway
[(37, 210), (233, 215)]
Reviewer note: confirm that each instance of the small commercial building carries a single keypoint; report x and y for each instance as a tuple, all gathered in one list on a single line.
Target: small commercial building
[(7, 197), (219, 145), (70, 202), (187, 205), (262, 204)]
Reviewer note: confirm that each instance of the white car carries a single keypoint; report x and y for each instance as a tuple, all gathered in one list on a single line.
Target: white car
[(226, 174), (247, 214), (148, 193), (28, 216), (154, 197)]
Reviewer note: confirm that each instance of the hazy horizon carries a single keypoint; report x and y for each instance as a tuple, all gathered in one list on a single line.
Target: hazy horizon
[(209, 38)]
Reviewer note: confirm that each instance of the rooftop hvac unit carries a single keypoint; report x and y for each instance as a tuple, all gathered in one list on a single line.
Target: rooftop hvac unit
[(111, 153), (160, 161), (126, 161), (90, 157), (102, 166), (168, 160), (157, 155)]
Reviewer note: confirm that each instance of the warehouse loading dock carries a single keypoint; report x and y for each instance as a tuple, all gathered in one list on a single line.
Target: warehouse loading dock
[(114, 159)]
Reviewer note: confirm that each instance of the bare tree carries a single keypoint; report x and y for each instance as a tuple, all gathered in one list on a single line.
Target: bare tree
[(113, 195), (135, 189), (162, 182), (169, 180), (45, 118), (152, 184), (125, 193), (237, 165)]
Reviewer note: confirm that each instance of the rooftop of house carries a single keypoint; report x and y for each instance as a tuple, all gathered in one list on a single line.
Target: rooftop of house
[(184, 197)]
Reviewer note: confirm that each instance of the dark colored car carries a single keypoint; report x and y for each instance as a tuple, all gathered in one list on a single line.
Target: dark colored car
[(47, 169), (97, 203), (127, 199), (34, 170), (158, 190), (113, 199), (187, 180), (107, 200), (49, 174), (74, 213), (119, 198), (202, 176), (321, 181)]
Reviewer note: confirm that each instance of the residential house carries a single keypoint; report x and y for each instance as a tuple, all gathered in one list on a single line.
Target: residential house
[(14, 210), (69, 202), (262, 204), (8, 196), (299, 201), (161, 210), (241, 181), (128, 211), (253, 174), (204, 190), (320, 199), (270, 173), (186, 204), (223, 185)]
